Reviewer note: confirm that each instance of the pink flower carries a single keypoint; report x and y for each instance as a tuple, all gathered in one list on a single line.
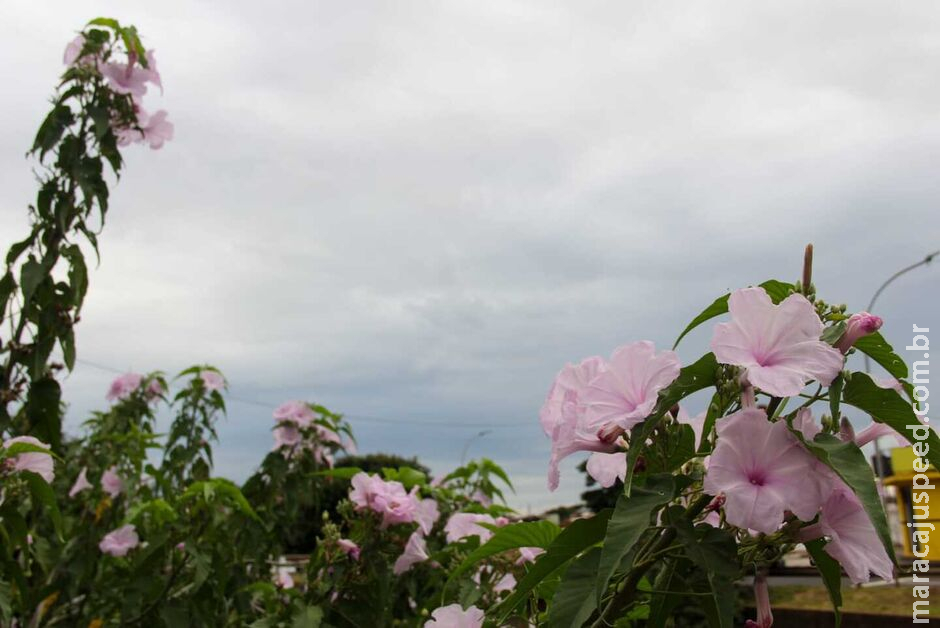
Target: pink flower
[(573, 434), (877, 430), (154, 129), (779, 345), (119, 542), (37, 462), (762, 470), (286, 435), (388, 499), (111, 483), (124, 386), (73, 50), (858, 325), (464, 524), (453, 616), (349, 548), (607, 468), (506, 583), (625, 392), (81, 483), (529, 554), (154, 389), (212, 380), (416, 551), (131, 78), (852, 537), (765, 618), (567, 386), (806, 424), (296, 412), (427, 515)]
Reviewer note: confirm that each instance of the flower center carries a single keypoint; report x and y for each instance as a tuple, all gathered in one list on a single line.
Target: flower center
[(756, 477)]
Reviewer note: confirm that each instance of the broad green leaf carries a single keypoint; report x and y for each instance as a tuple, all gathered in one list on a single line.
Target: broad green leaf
[(878, 349), (45, 496), (849, 463), (573, 540), (573, 601), (886, 406), (107, 22), (668, 580), (715, 553), (630, 519), (691, 379), (43, 408), (513, 536), (831, 574), (778, 291), (31, 275), (308, 617)]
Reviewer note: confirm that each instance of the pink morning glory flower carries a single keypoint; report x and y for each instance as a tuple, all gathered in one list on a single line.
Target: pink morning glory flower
[(416, 551), (454, 616), (283, 579), (464, 524), (81, 483), (119, 542), (606, 469), (506, 583), (779, 345), (566, 388), (153, 129), (762, 470), (626, 391), (286, 435), (296, 412), (124, 386), (349, 548), (877, 430), (131, 78), (765, 618), (529, 554), (859, 325), (111, 483), (387, 498), (212, 380), (427, 515), (37, 462), (852, 537), (73, 50)]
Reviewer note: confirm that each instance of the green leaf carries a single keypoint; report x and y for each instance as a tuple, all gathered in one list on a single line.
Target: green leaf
[(44, 411), (691, 379), (573, 540), (886, 406), (630, 519), (7, 286), (778, 291), (513, 536), (44, 494), (715, 553), (31, 275), (107, 22), (573, 601), (878, 349), (831, 574), (661, 603), (52, 128), (308, 617), (849, 463)]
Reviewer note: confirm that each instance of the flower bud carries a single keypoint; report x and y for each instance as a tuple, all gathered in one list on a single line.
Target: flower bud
[(859, 325)]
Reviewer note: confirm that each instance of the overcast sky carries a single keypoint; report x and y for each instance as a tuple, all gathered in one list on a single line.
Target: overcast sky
[(416, 213)]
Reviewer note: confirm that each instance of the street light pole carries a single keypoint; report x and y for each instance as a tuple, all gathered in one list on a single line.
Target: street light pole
[(879, 467), (481, 434)]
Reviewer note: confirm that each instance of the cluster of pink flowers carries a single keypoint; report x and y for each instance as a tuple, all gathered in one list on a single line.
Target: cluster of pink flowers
[(297, 429), (127, 384), (760, 471), (395, 505), (591, 404), (128, 78)]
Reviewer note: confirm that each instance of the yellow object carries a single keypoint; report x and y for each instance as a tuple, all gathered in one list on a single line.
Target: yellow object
[(910, 511)]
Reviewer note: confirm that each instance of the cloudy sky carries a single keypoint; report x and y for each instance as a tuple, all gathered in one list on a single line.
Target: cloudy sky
[(416, 212)]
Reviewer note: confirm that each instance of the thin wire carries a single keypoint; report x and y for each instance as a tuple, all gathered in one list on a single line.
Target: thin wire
[(358, 417)]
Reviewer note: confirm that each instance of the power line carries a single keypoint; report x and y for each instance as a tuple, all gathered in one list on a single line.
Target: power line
[(358, 417)]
